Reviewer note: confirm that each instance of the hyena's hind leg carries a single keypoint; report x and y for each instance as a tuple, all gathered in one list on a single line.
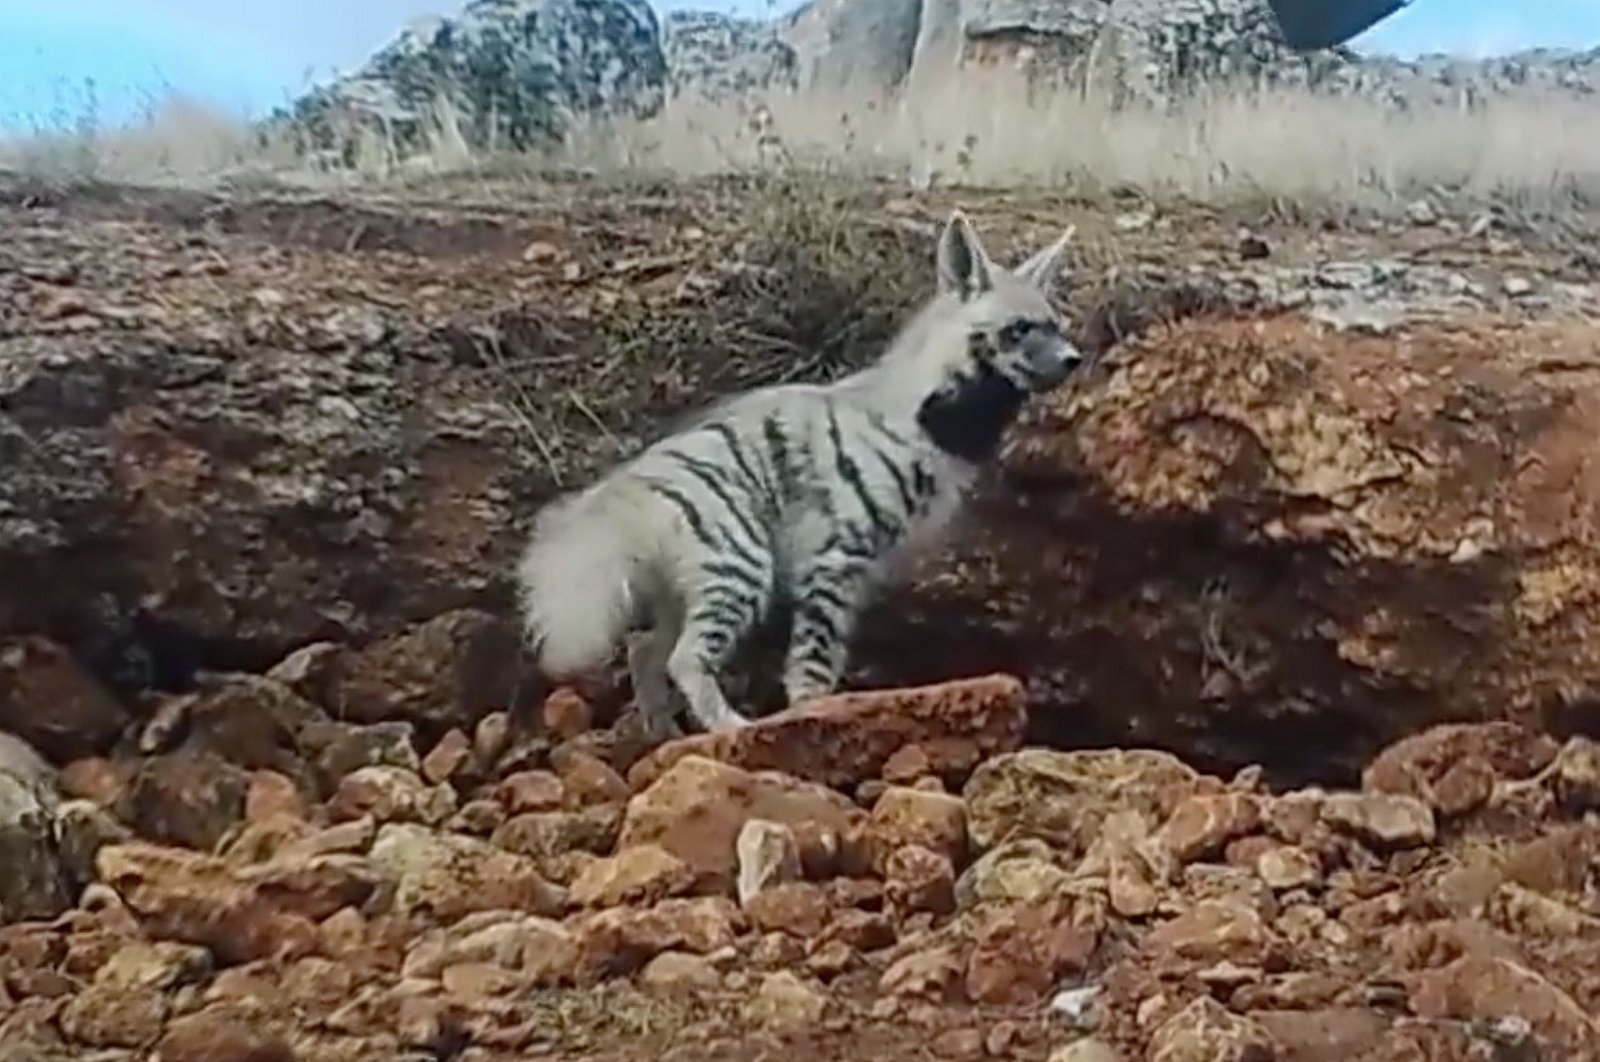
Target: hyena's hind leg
[(829, 593), (648, 651), (725, 605)]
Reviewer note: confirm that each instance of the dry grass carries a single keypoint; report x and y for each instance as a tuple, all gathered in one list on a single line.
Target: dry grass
[(987, 129)]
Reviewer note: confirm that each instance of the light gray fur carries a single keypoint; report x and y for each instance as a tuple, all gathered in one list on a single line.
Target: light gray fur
[(816, 493)]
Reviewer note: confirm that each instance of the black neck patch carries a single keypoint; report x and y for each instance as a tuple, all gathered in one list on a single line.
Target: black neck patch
[(967, 418)]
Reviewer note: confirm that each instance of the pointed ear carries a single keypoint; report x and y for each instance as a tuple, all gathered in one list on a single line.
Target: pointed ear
[(1040, 270), (964, 267)]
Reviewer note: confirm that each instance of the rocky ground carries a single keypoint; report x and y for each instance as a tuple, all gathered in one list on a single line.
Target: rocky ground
[(275, 784)]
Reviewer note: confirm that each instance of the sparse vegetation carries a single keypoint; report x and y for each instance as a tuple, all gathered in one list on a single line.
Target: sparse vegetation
[(990, 129)]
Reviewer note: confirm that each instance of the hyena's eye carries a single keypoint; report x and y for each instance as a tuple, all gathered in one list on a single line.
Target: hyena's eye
[(1014, 332)]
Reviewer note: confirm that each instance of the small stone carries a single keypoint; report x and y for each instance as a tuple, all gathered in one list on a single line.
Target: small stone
[(646, 874), (1212, 930), (313, 672), (697, 809), (905, 816), (190, 798), (1382, 819), (449, 875), (1517, 287), (391, 794), (1285, 867), (786, 1004), (480, 818), (52, 703), (798, 908), (566, 714), (1421, 212), (768, 854), (215, 1035), (587, 780), (450, 671), (919, 879), (676, 971), (1088, 1049), (270, 795), (530, 791), (94, 778), (932, 975), (448, 758), (1205, 1032), (490, 739), (907, 764), (1201, 825), (1577, 774)]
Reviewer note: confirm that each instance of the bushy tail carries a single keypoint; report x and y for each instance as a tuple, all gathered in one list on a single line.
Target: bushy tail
[(575, 584)]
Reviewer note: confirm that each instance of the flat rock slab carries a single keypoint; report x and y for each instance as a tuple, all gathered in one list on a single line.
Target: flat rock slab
[(845, 739)]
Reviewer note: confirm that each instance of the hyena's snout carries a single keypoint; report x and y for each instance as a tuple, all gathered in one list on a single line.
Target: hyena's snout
[(1051, 359)]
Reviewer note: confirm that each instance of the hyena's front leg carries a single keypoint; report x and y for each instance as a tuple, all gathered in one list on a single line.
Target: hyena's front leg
[(828, 595)]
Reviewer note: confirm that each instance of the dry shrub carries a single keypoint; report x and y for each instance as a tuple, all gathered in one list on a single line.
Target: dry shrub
[(988, 126)]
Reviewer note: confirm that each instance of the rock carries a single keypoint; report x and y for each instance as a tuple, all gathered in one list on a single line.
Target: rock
[(448, 672), (697, 808), (1381, 819), (99, 1017), (1087, 1049), (1014, 872), (1213, 930), (448, 758), (1327, 1035), (1063, 797), (543, 952), (919, 879), (1485, 989), (930, 975), (1201, 826), (566, 714), (798, 908), (786, 1004), (391, 794), (845, 739), (1269, 421), (553, 838), (270, 795), (33, 881), (1577, 773), (1205, 1032), (1453, 767), (50, 702), (644, 874), (588, 780), (450, 876), (249, 720), (314, 672), (82, 828), (216, 1035), (1283, 867), (768, 855), (187, 798), (618, 941), (525, 72), (342, 749), (527, 791), (676, 971), (198, 899), (904, 816), (95, 778), (1021, 953)]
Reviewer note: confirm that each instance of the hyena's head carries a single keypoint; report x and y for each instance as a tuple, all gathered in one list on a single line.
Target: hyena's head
[(992, 340), (1011, 329)]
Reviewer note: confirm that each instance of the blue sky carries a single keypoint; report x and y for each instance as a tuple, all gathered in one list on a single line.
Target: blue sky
[(251, 54)]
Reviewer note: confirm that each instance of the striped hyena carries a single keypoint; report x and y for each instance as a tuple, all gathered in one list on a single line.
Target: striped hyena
[(812, 493)]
